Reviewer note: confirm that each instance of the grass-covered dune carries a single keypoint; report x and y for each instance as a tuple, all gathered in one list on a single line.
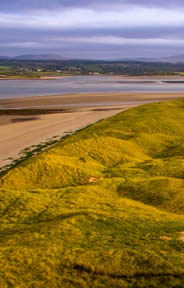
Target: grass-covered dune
[(103, 208)]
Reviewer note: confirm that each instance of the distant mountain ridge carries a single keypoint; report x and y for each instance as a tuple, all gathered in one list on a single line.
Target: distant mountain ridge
[(40, 57), (171, 59), (4, 57), (175, 59)]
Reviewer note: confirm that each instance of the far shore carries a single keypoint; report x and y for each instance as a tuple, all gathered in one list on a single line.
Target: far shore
[(28, 121), (56, 77), (36, 78)]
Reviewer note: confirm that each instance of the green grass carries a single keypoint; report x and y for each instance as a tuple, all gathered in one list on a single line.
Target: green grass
[(101, 208), (5, 67)]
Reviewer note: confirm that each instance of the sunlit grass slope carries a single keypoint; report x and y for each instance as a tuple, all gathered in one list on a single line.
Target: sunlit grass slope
[(103, 208)]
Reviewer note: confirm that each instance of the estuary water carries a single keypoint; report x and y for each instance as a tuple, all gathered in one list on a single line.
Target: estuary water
[(85, 84)]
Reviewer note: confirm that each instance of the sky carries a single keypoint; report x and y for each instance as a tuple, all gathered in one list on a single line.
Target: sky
[(92, 29)]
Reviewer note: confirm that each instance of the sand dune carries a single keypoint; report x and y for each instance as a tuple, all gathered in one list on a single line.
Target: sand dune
[(90, 108)]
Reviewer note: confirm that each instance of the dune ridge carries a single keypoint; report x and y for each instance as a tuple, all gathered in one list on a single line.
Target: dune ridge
[(103, 208)]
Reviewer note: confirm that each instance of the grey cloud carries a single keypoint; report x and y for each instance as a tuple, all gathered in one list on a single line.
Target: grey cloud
[(33, 27), (90, 19), (20, 5)]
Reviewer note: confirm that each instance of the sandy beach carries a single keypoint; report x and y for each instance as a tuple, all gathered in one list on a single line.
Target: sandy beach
[(17, 136), (20, 131), (86, 100)]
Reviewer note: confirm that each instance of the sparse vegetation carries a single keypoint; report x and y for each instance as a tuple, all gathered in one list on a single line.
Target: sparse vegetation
[(101, 208)]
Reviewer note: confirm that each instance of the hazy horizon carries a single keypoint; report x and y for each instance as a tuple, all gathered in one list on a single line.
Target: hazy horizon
[(62, 57)]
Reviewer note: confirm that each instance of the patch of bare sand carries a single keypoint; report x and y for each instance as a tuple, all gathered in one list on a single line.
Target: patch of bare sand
[(165, 238), (181, 236)]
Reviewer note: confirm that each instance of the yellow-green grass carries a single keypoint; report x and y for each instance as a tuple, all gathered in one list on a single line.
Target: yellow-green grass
[(5, 67), (103, 208)]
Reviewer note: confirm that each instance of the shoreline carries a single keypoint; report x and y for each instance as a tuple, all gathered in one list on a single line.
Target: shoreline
[(56, 77), (79, 100), (41, 78), (17, 136), (19, 131)]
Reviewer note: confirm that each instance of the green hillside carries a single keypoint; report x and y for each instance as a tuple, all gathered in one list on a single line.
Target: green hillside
[(103, 208)]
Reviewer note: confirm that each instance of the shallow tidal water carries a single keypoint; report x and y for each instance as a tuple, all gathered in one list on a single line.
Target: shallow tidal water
[(85, 84)]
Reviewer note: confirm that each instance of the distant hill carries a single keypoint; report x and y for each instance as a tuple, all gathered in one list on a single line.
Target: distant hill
[(4, 57), (175, 59), (171, 59), (40, 57)]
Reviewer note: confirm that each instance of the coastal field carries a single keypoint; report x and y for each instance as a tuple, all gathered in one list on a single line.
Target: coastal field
[(102, 208)]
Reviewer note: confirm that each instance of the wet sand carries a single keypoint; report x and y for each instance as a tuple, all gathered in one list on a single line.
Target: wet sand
[(29, 130), (86, 100)]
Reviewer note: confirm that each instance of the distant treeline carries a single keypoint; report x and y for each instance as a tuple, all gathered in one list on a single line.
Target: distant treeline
[(37, 68)]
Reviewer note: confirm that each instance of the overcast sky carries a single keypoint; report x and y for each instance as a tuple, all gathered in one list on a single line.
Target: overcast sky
[(105, 29)]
